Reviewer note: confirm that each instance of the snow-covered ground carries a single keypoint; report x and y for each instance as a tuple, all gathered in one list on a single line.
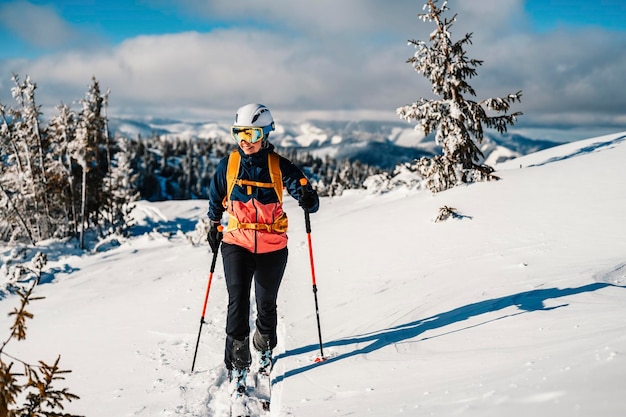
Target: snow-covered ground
[(515, 309)]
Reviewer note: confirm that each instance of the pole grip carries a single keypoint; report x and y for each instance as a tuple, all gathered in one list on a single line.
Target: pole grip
[(220, 228), (307, 217)]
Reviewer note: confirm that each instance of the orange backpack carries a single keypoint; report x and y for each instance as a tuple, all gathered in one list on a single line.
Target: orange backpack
[(276, 176)]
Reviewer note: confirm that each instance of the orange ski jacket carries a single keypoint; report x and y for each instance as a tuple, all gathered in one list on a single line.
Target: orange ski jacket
[(256, 220)]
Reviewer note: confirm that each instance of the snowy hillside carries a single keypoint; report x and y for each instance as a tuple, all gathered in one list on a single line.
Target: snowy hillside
[(514, 309), (379, 143)]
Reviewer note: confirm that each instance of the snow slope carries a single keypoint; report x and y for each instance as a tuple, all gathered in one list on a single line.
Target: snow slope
[(516, 308)]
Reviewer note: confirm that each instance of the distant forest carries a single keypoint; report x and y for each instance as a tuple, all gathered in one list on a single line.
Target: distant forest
[(177, 169)]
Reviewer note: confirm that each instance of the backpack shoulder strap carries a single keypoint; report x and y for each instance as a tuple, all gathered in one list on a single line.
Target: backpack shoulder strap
[(232, 170), (273, 162)]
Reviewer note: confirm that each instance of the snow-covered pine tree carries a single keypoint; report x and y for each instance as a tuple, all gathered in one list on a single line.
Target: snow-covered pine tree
[(89, 151), (35, 145), (123, 188), (458, 121), (80, 150), (13, 223), (62, 173), (24, 203), (107, 206)]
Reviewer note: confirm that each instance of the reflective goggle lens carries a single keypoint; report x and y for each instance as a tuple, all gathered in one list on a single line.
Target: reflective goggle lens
[(251, 134)]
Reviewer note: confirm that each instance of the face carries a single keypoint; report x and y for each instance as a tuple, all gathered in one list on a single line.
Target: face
[(250, 148)]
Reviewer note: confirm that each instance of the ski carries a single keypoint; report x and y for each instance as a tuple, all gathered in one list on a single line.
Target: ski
[(252, 397), (252, 404), (251, 392), (263, 388), (239, 394)]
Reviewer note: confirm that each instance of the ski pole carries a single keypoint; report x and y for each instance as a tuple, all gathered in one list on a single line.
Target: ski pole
[(206, 297), (307, 222)]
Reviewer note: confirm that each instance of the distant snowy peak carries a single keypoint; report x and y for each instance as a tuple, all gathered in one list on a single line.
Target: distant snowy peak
[(168, 128), (304, 135), (381, 143)]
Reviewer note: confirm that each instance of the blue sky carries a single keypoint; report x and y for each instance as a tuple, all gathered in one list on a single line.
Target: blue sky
[(113, 21), (201, 59), (547, 15)]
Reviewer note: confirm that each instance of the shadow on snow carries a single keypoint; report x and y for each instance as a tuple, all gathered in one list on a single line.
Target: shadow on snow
[(525, 301)]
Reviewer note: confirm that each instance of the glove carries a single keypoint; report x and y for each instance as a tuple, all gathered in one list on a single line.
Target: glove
[(215, 236), (307, 199)]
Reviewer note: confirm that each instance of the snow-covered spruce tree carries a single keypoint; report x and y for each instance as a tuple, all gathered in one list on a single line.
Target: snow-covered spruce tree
[(121, 186), (80, 151), (89, 150), (13, 221), (35, 146), (457, 120), (61, 172), (25, 204)]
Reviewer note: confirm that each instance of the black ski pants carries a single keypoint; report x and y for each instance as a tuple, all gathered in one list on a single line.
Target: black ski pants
[(241, 267)]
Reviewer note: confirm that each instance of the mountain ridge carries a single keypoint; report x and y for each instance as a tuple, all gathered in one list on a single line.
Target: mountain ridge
[(384, 144)]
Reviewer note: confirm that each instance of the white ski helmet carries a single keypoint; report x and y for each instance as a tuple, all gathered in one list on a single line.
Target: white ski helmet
[(254, 115)]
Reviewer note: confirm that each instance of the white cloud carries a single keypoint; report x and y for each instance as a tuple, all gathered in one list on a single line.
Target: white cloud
[(339, 58), (38, 25), (223, 69)]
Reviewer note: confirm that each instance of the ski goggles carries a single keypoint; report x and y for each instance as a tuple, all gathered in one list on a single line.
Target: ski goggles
[(251, 134)]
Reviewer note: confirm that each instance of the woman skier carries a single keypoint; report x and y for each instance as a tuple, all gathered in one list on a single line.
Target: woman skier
[(248, 185)]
